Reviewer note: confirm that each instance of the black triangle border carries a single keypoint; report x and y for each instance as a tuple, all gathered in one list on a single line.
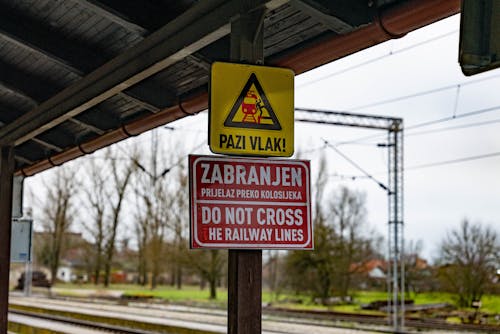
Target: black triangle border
[(229, 119)]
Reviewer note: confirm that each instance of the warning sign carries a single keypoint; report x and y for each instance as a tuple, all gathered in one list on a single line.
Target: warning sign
[(251, 110), (250, 203)]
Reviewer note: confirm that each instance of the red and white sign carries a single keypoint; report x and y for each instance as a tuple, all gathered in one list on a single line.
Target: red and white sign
[(250, 203)]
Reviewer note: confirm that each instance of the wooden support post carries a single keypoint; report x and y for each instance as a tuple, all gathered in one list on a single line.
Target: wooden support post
[(245, 292), (6, 177), (245, 266)]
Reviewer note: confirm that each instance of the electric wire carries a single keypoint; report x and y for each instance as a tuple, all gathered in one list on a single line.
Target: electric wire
[(373, 60), (422, 93), (451, 118), (358, 167), (423, 166), (451, 128), (454, 161), (424, 124)]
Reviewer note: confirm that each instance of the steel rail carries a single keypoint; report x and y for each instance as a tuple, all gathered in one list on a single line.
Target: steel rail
[(301, 317), (80, 323), (372, 319)]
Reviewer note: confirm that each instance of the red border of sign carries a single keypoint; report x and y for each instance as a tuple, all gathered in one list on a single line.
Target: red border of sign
[(194, 240)]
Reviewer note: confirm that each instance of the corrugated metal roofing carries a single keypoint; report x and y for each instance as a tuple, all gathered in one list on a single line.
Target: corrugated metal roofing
[(89, 68)]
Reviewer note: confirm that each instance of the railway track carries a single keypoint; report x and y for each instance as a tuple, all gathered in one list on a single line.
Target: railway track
[(418, 324), (105, 328), (80, 323), (326, 319)]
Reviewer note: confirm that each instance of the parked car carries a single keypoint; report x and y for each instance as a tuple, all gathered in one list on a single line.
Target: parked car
[(38, 279)]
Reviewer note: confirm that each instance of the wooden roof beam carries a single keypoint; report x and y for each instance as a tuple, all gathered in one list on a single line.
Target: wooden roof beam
[(74, 58), (143, 17), (36, 90), (46, 144), (202, 24), (111, 10), (331, 22)]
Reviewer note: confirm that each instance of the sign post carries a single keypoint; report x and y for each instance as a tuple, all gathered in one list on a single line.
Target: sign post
[(244, 297), (6, 177), (249, 204)]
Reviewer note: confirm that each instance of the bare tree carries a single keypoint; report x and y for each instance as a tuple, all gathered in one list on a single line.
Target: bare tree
[(273, 268), (339, 241), (417, 275), (157, 230), (142, 237), (210, 265), (178, 223), (121, 176), (95, 200), (469, 257), (351, 244), (58, 214), (156, 199), (312, 271)]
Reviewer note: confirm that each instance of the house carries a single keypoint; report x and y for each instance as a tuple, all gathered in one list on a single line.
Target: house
[(74, 259), (369, 274)]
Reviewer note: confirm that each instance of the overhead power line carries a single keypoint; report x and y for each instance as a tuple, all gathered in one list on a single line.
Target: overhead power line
[(451, 118), (424, 124), (373, 60), (423, 166), (422, 93), (358, 167), (454, 161), (450, 128)]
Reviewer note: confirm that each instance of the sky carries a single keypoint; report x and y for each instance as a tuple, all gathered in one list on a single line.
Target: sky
[(451, 166)]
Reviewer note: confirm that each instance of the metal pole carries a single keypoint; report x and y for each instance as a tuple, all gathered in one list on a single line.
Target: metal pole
[(6, 178), (245, 266), (388, 274), (29, 265), (395, 273), (400, 194), (26, 278), (396, 279)]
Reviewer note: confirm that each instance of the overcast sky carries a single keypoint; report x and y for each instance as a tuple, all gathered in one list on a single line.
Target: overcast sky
[(422, 73), (437, 198)]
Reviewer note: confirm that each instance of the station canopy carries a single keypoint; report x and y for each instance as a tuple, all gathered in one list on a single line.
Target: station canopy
[(78, 75)]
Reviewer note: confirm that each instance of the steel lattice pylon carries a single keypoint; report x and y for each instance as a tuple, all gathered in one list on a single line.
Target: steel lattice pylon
[(395, 256), (396, 272)]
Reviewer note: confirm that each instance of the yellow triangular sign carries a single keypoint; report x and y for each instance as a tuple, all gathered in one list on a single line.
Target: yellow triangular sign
[(252, 109)]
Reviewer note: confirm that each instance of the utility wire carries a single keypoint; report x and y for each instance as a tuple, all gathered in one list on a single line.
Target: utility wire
[(348, 177), (358, 167), (457, 127), (427, 165), (451, 118), (311, 150), (422, 93), (423, 124), (422, 166), (168, 169), (454, 161), (373, 60)]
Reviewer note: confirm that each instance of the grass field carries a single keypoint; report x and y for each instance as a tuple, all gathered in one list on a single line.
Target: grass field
[(193, 294)]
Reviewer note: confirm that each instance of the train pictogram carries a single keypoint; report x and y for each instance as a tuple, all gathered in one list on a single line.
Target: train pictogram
[(252, 108)]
